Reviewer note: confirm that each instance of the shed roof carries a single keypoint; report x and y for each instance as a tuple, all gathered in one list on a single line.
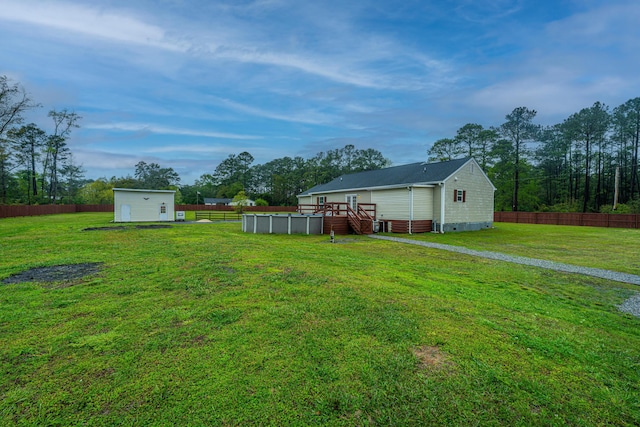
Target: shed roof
[(140, 190), (413, 173)]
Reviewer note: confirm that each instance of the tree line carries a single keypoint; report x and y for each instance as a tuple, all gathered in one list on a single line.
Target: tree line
[(587, 163), (274, 183), (36, 166), (278, 181)]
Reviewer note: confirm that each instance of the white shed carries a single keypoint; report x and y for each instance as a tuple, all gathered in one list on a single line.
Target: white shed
[(135, 205)]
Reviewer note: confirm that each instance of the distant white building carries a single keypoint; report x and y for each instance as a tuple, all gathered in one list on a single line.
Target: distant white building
[(136, 205), (225, 202)]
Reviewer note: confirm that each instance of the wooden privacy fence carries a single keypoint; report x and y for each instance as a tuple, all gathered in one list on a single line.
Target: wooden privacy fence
[(570, 218), (11, 211), (33, 210), (270, 209)]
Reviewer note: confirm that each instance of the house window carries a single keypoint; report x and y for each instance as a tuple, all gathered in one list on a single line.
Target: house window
[(459, 196), (321, 200), (163, 209)]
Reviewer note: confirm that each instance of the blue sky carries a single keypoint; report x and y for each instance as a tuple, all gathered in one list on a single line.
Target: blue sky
[(186, 83)]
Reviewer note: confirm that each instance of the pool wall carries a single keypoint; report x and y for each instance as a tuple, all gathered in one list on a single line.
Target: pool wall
[(282, 224)]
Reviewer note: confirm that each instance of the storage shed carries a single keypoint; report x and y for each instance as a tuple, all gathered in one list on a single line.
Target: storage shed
[(137, 205)]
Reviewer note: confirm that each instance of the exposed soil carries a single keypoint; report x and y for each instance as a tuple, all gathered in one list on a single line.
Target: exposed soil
[(56, 273), (122, 227), (430, 357), (342, 240)]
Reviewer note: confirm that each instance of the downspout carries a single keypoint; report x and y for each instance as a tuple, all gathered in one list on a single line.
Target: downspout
[(410, 208), (442, 191)]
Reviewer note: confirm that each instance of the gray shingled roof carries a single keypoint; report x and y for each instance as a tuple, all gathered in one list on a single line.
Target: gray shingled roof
[(413, 173)]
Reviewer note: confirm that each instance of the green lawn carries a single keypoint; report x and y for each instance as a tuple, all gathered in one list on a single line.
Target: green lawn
[(615, 249), (201, 324)]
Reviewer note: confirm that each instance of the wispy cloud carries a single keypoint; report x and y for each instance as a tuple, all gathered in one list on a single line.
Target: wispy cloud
[(192, 148), (487, 11), (569, 64), (288, 77), (307, 117), (356, 63), (165, 130), (93, 22)]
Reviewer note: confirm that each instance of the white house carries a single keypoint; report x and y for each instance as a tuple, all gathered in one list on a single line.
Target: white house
[(135, 205), (455, 195), (225, 202)]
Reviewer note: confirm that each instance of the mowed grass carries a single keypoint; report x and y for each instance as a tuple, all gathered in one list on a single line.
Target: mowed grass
[(201, 324), (615, 249)]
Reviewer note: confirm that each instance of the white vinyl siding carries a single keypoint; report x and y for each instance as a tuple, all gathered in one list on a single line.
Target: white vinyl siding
[(392, 204), (436, 203), (144, 205), (422, 203), (305, 200), (363, 196), (478, 196)]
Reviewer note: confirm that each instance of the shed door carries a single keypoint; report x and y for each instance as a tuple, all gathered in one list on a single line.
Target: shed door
[(125, 213), (163, 212)]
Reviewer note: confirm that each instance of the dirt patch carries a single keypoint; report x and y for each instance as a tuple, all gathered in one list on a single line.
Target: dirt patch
[(117, 227), (56, 273), (431, 357), (342, 241), (122, 227)]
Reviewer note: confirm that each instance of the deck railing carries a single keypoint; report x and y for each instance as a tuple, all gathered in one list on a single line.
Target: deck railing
[(354, 220), (360, 219), (367, 210)]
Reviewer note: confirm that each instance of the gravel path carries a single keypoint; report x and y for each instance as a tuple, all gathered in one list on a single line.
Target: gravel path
[(632, 305)]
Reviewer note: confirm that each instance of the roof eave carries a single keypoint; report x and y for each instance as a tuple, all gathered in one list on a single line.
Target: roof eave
[(380, 187), (141, 190)]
